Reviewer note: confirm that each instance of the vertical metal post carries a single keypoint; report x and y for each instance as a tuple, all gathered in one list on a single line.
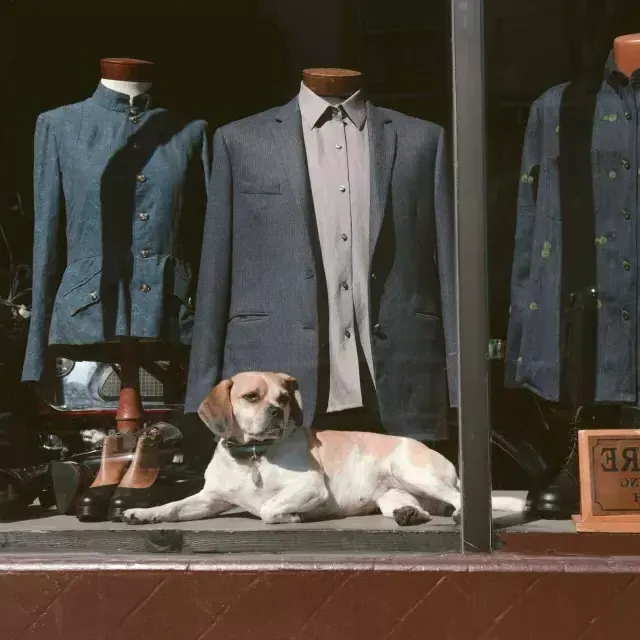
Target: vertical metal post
[(469, 153)]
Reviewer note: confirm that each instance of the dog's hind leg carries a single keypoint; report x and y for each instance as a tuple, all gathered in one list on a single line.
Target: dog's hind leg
[(196, 507), (402, 507)]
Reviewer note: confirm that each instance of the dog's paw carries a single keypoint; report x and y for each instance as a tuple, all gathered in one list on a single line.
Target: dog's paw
[(283, 518), (407, 516), (138, 516), (457, 516)]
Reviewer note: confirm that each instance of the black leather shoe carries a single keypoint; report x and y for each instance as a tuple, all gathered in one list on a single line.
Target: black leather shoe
[(20, 487), (173, 483), (94, 503), (561, 498)]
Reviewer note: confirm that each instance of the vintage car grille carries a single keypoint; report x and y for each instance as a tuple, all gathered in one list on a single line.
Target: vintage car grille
[(150, 387)]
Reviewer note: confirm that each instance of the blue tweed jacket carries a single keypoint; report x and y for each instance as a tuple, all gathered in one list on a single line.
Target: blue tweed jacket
[(120, 195), (261, 273)]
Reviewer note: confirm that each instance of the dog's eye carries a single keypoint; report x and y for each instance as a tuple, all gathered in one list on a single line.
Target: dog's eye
[(284, 398), (251, 397)]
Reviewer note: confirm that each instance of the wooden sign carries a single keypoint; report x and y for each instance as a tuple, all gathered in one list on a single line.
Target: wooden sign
[(609, 481)]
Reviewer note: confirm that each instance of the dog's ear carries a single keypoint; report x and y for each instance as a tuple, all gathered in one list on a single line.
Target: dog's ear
[(216, 410), (296, 399)]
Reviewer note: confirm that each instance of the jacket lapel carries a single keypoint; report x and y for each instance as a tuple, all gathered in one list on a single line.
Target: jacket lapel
[(382, 152), (289, 139)]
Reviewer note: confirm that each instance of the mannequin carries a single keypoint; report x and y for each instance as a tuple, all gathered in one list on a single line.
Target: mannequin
[(122, 291), (626, 51), (332, 83)]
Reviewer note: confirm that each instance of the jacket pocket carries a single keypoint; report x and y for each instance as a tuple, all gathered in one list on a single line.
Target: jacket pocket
[(428, 315), (83, 295), (259, 187), (182, 290), (240, 318)]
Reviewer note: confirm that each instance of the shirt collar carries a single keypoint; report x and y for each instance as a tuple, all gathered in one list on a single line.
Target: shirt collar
[(614, 77), (313, 107), (116, 101)]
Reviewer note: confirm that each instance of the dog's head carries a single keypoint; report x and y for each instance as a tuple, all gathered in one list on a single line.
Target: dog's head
[(253, 406)]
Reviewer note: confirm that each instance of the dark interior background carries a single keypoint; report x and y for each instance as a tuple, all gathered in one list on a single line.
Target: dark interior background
[(222, 61)]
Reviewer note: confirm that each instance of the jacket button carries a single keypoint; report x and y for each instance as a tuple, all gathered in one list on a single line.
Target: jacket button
[(626, 215), (308, 274), (347, 333), (626, 265), (612, 175), (143, 216), (134, 119), (135, 146), (345, 286), (141, 178), (628, 115), (625, 314), (190, 301), (93, 295), (145, 253), (625, 164), (145, 288)]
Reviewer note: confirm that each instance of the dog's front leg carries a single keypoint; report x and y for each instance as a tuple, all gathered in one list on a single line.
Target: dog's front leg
[(206, 504), (293, 501)]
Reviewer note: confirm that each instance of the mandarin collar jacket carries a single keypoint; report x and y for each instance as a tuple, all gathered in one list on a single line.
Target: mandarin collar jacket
[(120, 194)]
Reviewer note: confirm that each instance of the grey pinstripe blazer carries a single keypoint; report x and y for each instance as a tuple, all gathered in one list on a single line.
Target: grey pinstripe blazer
[(259, 302)]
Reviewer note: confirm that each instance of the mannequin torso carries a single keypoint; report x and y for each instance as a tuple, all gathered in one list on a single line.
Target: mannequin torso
[(626, 50)]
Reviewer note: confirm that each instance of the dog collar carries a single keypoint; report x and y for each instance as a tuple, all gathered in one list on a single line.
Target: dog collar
[(248, 450)]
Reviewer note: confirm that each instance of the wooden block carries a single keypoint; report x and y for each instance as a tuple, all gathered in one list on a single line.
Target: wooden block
[(609, 481)]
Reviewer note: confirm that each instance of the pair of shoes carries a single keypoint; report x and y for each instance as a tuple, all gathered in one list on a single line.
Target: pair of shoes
[(131, 475), (20, 487), (561, 498)]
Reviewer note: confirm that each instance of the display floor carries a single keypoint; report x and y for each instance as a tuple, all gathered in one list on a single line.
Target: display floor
[(237, 532)]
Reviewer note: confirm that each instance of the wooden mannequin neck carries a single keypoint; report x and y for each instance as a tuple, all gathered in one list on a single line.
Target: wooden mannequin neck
[(626, 51), (332, 83)]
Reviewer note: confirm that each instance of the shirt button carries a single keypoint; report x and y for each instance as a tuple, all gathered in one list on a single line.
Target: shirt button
[(338, 146), (344, 237), (145, 253), (626, 215), (344, 285), (145, 288), (136, 146), (141, 178), (347, 333), (342, 188), (625, 164), (626, 265), (625, 314), (93, 295), (143, 216)]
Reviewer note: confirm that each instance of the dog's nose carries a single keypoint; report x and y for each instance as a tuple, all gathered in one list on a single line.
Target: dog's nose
[(276, 412)]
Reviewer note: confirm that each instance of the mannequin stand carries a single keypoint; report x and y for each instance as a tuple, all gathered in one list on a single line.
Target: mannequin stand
[(130, 415)]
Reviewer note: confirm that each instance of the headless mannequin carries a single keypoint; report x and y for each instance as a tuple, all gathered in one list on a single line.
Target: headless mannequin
[(626, 50), (336, 84), (131, 77)]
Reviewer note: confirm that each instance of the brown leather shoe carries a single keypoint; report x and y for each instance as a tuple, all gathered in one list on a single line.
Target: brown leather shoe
[(136, 487), (116, 456)]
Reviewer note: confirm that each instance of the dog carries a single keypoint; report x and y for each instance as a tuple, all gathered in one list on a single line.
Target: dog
[(267, 464)]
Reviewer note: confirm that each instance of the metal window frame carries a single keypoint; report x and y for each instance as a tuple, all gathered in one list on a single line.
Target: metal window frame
[(469, 155)]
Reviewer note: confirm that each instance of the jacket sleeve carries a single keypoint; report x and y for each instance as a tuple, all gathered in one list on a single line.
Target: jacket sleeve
[(525, 224), (447, 265), (48, 245), (214, 283)]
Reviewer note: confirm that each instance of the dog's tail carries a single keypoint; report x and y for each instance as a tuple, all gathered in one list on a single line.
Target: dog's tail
[(508, 503)]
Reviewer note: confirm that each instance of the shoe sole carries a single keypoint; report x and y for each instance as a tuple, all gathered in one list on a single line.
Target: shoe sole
[(90, 514)]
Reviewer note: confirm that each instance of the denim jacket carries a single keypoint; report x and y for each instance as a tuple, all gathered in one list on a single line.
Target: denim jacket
[(120, 195), (533, 351)]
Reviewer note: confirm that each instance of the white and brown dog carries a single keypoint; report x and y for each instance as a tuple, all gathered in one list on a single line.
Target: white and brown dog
[(269, 466)]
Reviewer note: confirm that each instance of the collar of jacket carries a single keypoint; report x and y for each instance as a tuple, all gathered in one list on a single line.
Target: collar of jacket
[(116, 101), (251, 449), (615, 78)]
